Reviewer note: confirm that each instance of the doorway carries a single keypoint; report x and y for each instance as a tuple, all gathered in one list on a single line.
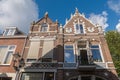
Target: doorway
[(83, 57)]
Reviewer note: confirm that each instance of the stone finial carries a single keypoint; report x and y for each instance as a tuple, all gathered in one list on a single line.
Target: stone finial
[(46, 14), (76, 11)]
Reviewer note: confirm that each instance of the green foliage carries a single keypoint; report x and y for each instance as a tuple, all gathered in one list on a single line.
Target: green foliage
[(113, 40)]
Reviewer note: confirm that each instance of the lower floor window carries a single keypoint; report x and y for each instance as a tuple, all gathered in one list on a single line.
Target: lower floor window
[(5, 78), (38, 76)]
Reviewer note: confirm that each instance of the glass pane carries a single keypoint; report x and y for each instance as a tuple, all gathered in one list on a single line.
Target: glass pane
[(11, 32), (81, 29), (69, 55), (11, 47), (3, 50), (44, 27), (8, 58), (96, 55), (6, 32), (94, 46), (68, 46), (32, 76), (82, 44), (49, 76)]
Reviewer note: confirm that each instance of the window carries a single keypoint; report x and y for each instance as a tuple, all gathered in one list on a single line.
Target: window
[(6, 54), (9, 32), (33, 51), (96, 53), (69, 54), (38, 76), (44, 27), (79, 28), (82, 44), (32, 76)]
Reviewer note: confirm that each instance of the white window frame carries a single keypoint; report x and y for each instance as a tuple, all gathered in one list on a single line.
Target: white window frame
[(73, 51), (41, 27), (6, 53), (76, 32), (101, 54), (9, 32)]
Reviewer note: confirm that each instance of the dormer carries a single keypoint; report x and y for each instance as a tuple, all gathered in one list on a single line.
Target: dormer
[(9, 31), (12, 31)]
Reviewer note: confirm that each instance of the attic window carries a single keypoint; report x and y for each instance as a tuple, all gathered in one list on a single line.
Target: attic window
[(9, 32), (44, 27), (79, 29)]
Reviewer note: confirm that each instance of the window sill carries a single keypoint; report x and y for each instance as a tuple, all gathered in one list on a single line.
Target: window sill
[(4, 64)]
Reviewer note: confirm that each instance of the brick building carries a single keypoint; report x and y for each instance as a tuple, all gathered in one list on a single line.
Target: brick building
[(11, 41), (76, 51)]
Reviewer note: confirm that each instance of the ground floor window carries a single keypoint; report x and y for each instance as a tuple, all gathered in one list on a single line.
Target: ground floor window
[(38, 76), (5, 78), (86, 78)]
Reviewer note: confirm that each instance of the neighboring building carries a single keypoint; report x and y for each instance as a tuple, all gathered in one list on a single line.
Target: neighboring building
[(11, 41), (77, 51)]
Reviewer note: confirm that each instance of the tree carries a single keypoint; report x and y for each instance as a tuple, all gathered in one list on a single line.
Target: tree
[(113, 40)]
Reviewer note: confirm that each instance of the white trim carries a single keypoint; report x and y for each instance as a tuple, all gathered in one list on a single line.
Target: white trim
[(101, 53)]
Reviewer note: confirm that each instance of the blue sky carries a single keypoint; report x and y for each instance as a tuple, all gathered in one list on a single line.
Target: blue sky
[(20, 13), (62, 9)]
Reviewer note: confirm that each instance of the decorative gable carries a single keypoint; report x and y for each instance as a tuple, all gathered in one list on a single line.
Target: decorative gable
[(78, 24), (44, 25)]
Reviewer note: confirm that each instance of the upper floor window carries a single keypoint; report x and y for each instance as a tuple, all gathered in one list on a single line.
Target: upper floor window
[(44, 27), (79, 29), (9, 32), (82, 44), (6, 53), (69, 56), (96, 54)]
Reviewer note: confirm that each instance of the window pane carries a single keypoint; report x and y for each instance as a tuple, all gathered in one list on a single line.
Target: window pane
[(8, 58), (32, 76), (49, 76), (69, 55), (81, 29), (11, 47), (94, 46), (96, 55), (44, 27), (6, 32), (3, 50), (69, 46)]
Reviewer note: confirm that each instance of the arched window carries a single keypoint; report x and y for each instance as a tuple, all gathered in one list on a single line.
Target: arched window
[(44, 27), (79, 29)]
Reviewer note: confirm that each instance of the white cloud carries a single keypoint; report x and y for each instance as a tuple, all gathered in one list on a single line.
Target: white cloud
[(67, 55), (118, 26), (100, 19), (114, 5), (19, 13)]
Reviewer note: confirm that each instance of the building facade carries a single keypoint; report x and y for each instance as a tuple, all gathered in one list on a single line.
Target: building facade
[(76, 51), (11, 41)]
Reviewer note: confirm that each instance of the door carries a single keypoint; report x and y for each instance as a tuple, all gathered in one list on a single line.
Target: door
[(86, 78), (84, 58)]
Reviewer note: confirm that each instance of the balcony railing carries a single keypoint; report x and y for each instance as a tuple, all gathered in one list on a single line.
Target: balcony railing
[(42, 65)]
